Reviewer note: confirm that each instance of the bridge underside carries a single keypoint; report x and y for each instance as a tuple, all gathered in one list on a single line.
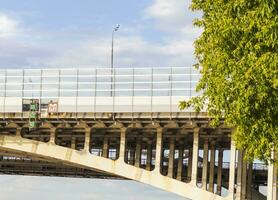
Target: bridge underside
[(183, 155)]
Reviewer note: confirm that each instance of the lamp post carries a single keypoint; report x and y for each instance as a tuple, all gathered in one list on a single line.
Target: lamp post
[(112, 54)]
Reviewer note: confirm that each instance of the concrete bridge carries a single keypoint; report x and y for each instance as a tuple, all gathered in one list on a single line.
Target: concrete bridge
[(122, 124)]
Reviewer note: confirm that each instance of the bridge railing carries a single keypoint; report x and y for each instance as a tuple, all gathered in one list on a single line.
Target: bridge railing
[(98, 89)]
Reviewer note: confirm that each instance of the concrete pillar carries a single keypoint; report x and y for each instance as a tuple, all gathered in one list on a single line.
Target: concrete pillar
[(232, 169), (122, 145), (195, 156), (180, 161), (158, 150), (272, 179), (219, 171), (138, 152), (211, 167), (105, 147), (52, 135), (87, 139), (149, 155), (249, 181), (244, 178), (205, 165), (189, 168), (239, 175), (171, 157), (73, 143), (18, 132), (132, 156)]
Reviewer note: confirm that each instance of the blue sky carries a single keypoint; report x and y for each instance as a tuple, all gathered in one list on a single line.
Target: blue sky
[(70, 33)]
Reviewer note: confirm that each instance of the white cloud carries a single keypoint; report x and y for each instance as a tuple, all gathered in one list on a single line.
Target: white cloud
[(8, 26), (75, 46), (170, 15)]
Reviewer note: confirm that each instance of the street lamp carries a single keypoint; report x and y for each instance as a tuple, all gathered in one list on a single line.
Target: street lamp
[(112, 54)]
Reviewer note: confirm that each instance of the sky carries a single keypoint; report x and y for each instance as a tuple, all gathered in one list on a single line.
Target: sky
[(70, 33)]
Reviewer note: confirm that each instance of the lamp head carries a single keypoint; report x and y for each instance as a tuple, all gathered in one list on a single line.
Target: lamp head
[(117, 27)]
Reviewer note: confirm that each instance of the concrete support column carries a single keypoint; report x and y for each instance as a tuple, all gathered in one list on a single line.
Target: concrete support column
[(105, 147), (171, 157), (239, 175), (272, 180), (211, 167), (158, 150), (232, 169), (249, 181), (219, 171), (195, 156), (73, 142), (87, 139), (18, 132), (52, 135), (189, 168), (205, 165), (180, 161), (122, 145), (149, 155), (244, 179), (132, 157), (138, 152)]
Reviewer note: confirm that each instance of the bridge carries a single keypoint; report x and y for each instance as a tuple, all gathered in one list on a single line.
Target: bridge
[(122, 124)]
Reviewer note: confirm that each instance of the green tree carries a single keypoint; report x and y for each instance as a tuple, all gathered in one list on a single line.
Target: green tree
[(237, 56)]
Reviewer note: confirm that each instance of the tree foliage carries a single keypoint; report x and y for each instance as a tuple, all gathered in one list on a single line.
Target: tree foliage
[(237, 56)]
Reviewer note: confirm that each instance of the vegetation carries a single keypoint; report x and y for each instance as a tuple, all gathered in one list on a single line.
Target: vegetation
[(237, 56)]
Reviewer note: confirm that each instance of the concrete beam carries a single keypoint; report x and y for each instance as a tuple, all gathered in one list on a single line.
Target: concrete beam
[(86, 160)]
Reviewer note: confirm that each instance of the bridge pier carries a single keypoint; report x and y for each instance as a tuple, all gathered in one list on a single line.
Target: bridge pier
[(244, 178), (211, 167), (122, 144), (52, 135), (232, 170), (239, 175), (171, 157), (158, 150), (87, 139), (205, 165), (249, 181), (195, 156), (105, 147), (219, 171), (149, 155), (138, 152), (272, 179), (180, 161), (73, 142)]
